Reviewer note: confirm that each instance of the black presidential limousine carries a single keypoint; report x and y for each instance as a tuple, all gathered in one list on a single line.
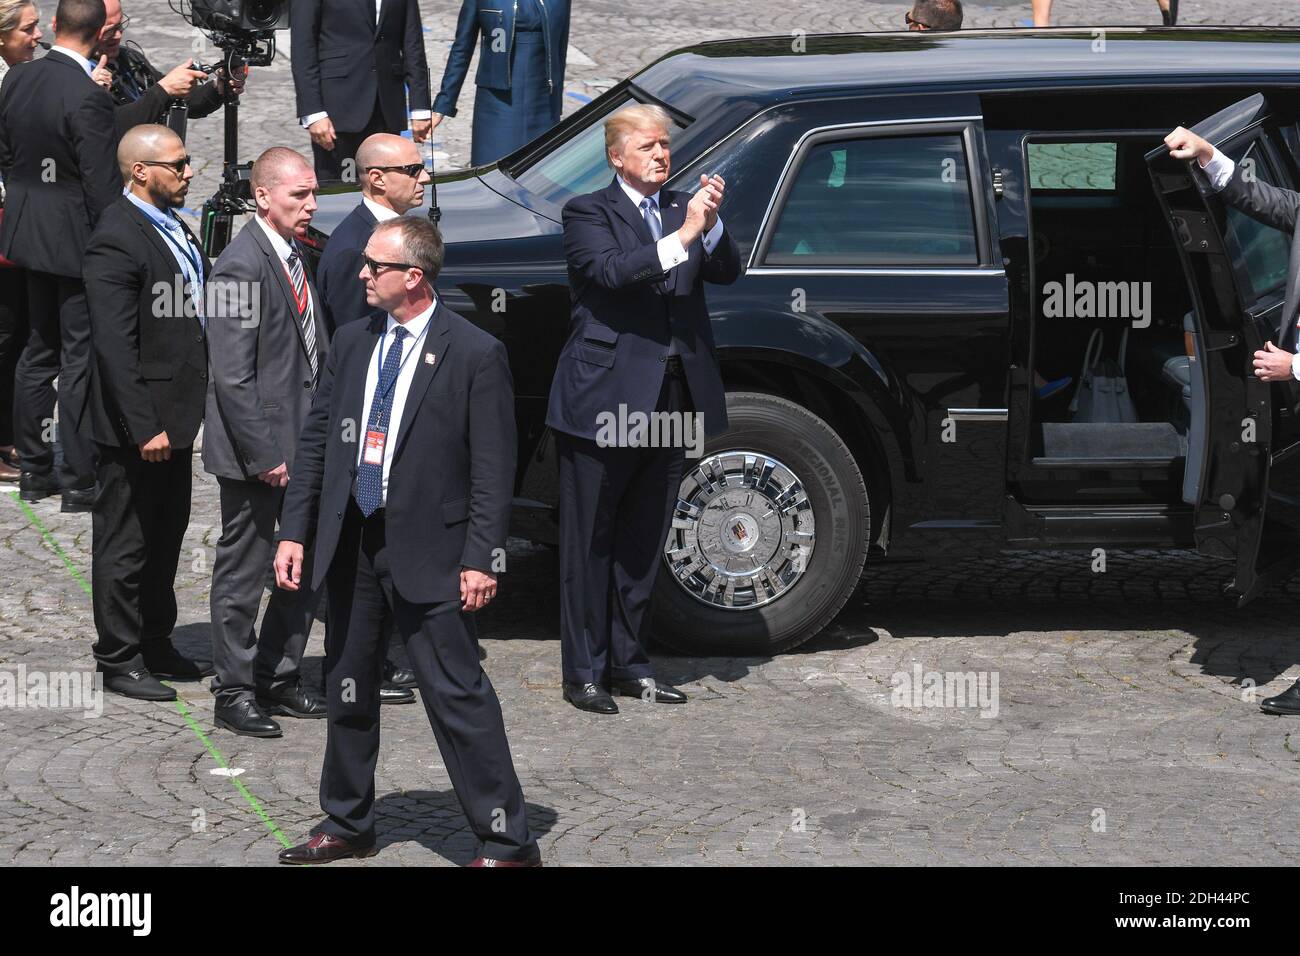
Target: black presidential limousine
[(932, 227)]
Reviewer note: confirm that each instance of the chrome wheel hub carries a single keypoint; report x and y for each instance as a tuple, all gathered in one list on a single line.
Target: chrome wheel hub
[(742, 531)]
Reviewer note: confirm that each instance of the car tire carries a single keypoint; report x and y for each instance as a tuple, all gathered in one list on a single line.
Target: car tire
[(801, 451)]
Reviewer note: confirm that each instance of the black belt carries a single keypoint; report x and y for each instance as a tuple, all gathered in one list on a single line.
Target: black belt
[(673, 366)]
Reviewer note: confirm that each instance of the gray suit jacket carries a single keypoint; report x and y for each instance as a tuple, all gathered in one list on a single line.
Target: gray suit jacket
[(261, 385), (1278, 208)]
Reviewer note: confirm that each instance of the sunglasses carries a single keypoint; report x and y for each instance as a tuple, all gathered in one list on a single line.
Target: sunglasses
[(176, 166), (121, 27), (908, 18), (374, 265), (411, 169)]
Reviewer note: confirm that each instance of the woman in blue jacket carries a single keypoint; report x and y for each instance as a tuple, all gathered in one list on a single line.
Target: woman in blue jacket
[(520, 76)]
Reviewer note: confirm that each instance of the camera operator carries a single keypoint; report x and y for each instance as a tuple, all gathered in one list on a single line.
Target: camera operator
[(142, 94)]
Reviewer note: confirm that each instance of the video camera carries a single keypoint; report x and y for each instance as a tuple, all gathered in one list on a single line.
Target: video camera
[(240, 16)]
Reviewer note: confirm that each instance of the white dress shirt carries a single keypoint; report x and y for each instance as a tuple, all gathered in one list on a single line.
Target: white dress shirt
[(1218, 171), (282, 250), (416, 330), (381, 213), (669, 247), (313, 117), (75, 57)]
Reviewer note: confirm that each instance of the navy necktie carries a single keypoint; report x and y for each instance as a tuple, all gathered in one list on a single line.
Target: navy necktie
[(370, 476)]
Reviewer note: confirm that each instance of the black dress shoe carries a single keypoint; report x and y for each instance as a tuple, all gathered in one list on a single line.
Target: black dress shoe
[(139, 684), (648, 689), (295, 701), (78, 499), (482, 861), (590, 697), (324, 848), (398, 676), (392, 694), (34, 487), (246, 719), (170, 664), (1287, 702)]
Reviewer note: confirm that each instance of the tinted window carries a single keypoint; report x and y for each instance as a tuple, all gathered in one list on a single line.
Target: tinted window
[(883, 201), (1264, 250), (1072, 166), (577, 165)]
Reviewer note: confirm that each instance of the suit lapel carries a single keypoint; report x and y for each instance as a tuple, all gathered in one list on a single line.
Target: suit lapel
[(628, 211), (159, 244), (369, 6), (276, 265), (354, 398), (1287, 333), (437, 342)]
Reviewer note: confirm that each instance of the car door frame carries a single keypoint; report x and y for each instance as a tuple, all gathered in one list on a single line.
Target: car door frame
[(1250, 438)]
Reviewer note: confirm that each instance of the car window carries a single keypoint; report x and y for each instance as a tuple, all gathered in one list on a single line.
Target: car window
[(1073, 167), (1264, 250), (900, 200), (578, 164)]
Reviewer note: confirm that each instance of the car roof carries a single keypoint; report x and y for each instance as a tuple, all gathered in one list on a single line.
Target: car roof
[(764, 70)]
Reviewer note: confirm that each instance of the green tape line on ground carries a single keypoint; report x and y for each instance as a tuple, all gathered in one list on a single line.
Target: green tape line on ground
[(239, 784), (31, 516), (180, 706)]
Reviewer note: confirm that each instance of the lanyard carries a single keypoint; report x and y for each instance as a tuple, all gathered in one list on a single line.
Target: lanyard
[(184, 250), (379, 361)]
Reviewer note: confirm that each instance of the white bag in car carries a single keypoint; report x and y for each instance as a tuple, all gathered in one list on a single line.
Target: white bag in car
[(1102, 394)]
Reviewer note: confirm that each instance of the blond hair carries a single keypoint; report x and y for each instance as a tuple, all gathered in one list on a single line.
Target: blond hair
[(630, 119)]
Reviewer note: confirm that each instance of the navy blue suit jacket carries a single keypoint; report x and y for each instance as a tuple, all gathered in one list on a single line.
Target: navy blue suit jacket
[(342, 60), (341, 290), (622, 301), (452, 478)]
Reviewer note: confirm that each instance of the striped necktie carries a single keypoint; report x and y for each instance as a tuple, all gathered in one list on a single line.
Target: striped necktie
[(303, 300)]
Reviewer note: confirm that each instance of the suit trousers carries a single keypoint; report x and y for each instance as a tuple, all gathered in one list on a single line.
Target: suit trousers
[(329, 162), (139, 521), (459, 700), (58, 345), (616, 505), (245, 661), (13, 336)]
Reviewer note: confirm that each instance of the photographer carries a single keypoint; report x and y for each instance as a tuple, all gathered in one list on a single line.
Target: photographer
[(142, 94)]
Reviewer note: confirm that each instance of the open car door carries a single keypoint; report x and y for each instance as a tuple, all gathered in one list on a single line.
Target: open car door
[(1243, 461)]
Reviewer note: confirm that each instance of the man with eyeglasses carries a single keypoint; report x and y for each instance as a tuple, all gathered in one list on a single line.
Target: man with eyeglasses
[(144, 274), (142, 94), (266, 348), (934, 15), (406, 515), (392, 182)]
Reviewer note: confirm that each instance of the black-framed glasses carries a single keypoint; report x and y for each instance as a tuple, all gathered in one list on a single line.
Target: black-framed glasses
[(907, 16), (121, 27), (411, 169), (177, 166), (373, 265)]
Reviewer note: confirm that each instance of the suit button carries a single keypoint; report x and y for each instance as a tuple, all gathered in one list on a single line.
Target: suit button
[(306, 384), (662, 357), (198, 338), (203, 375), (338, 514)]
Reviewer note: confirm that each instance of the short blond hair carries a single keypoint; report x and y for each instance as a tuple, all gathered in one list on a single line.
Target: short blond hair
[(630, 119)]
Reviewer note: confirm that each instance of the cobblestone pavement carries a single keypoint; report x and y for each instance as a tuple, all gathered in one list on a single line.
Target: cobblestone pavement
[(1125, 729)]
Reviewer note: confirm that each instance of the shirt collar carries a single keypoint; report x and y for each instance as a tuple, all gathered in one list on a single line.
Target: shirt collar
[(635, 196), (162, 218), (282, 248), (381, 213), (418, 324), (75, 57)]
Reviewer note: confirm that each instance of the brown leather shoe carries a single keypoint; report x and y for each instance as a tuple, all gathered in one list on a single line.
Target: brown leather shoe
[(325, 848), (8, 472), (489, 861)]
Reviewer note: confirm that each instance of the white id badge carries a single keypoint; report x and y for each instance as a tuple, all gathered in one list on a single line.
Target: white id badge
[(373, 453)]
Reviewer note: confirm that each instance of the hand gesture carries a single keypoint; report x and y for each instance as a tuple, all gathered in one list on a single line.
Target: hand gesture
[(1272, 364), (476, 589), (277, 477), (322, 133), (1184, 144), (180, 82), (420, 129), (101, 74), (288, 565), (158, 448)]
